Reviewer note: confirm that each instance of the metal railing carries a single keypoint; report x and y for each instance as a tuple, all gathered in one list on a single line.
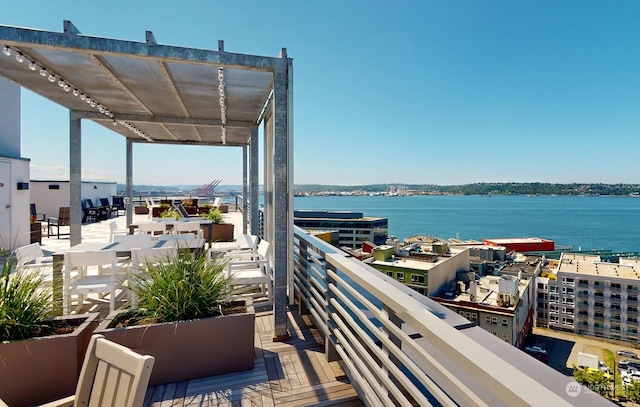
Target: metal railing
[(401, 348)]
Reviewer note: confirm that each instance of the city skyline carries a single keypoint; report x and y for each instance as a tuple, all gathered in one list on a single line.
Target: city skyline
[(411, 93)]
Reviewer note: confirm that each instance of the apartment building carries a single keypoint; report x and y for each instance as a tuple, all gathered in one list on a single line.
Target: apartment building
[(588, 296), (502, 302), (353, 227)]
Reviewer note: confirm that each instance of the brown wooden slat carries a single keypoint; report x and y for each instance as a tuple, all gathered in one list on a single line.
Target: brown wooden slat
[(289, 373)]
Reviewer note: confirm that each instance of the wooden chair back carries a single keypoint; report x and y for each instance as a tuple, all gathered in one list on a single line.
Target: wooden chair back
[(113, 375), (64, 216)]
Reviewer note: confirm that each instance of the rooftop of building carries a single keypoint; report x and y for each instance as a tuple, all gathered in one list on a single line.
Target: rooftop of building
[(332, 215), (592, 265), (488, 291), (415, 257), (514, 240)]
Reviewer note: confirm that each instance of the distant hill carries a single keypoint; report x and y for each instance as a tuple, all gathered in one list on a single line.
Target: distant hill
[(483, 188), (507, 188)]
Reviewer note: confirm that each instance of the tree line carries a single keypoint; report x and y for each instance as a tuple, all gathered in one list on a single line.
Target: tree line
[(486, 188)]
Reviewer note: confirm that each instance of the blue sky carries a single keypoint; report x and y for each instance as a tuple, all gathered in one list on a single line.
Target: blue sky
[(426, 92)]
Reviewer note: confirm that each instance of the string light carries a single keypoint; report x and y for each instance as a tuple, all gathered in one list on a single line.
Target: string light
[(223, 105), (65, 86)]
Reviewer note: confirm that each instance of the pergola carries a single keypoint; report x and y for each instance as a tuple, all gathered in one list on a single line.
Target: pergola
[(153, 93)]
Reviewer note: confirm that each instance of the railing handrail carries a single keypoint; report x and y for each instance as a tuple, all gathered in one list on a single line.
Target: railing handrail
[(401, 348)]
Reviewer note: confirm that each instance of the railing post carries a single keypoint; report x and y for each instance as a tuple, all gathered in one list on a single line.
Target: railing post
[(329, 342)]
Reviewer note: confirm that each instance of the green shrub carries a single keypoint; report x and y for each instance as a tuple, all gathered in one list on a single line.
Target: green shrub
[(25, 302), (170, 213), (214, 214), (178, 289)]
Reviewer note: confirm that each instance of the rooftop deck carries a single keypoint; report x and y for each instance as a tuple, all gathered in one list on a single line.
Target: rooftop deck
[(291, 373)]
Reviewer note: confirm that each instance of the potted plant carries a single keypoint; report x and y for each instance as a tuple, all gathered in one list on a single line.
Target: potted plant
[(221, 231), (156, 211), (204, 208), (40, 355), (170, 212), (184, 319)]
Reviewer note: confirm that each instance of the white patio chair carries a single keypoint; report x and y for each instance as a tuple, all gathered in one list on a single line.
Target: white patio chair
[(141, 258), (113, 231), (31, 254), (153, 228), (96, 273), (187, 227), (31, 258), (252, 270)]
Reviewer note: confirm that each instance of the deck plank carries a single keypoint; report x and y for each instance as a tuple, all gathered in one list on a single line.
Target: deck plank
[(289, 373)]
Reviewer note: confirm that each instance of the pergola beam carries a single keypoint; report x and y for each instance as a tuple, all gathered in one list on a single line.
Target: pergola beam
[(73, 41), (93, 115)]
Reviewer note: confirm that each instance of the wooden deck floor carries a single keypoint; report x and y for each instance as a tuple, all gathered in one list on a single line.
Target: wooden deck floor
[(291, 373)]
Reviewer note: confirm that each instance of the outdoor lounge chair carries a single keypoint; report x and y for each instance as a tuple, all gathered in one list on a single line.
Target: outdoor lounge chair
[(89, 212), (118, 205), (108, 208), (63, 219), (112, 375), (184, 213)]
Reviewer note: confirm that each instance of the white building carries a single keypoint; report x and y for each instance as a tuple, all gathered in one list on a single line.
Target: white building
[(590, 297)]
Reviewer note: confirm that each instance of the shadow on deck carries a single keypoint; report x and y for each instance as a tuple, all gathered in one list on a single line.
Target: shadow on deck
[(291, 373)]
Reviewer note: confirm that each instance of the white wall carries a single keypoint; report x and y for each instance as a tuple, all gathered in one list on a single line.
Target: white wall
[(49, 201), (446, 271)]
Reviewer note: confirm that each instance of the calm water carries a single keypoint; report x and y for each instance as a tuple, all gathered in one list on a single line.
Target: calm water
[(582, 222)]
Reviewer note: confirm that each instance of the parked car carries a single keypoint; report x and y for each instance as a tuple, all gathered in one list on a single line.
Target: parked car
[(633, 377), (535, 349), (627, 353), (603, 366)]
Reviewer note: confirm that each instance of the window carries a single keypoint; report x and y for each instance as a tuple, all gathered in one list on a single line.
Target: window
[(474, 316), (505, 336), (505, 322), (417, 278), (487, 319), (494, 320), (390, 273), (399, 276), (495, 333)]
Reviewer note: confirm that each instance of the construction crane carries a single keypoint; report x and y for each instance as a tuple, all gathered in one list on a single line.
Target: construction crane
[(206, 189)]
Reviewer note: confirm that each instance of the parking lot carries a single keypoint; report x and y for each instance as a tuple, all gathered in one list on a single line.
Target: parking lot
[(563, 348)]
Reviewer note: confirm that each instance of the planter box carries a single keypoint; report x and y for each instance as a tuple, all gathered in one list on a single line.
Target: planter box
[(221, 232), (191, 210), (204, 209), (141, 210), (157, 210), (39, 370), (224, 208), (188, 350)]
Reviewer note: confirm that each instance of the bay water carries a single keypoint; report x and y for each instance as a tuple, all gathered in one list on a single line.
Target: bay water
[(582, 222)]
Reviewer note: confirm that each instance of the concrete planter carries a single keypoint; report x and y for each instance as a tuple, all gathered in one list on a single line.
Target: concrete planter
[(39, 370), (188, 350)]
